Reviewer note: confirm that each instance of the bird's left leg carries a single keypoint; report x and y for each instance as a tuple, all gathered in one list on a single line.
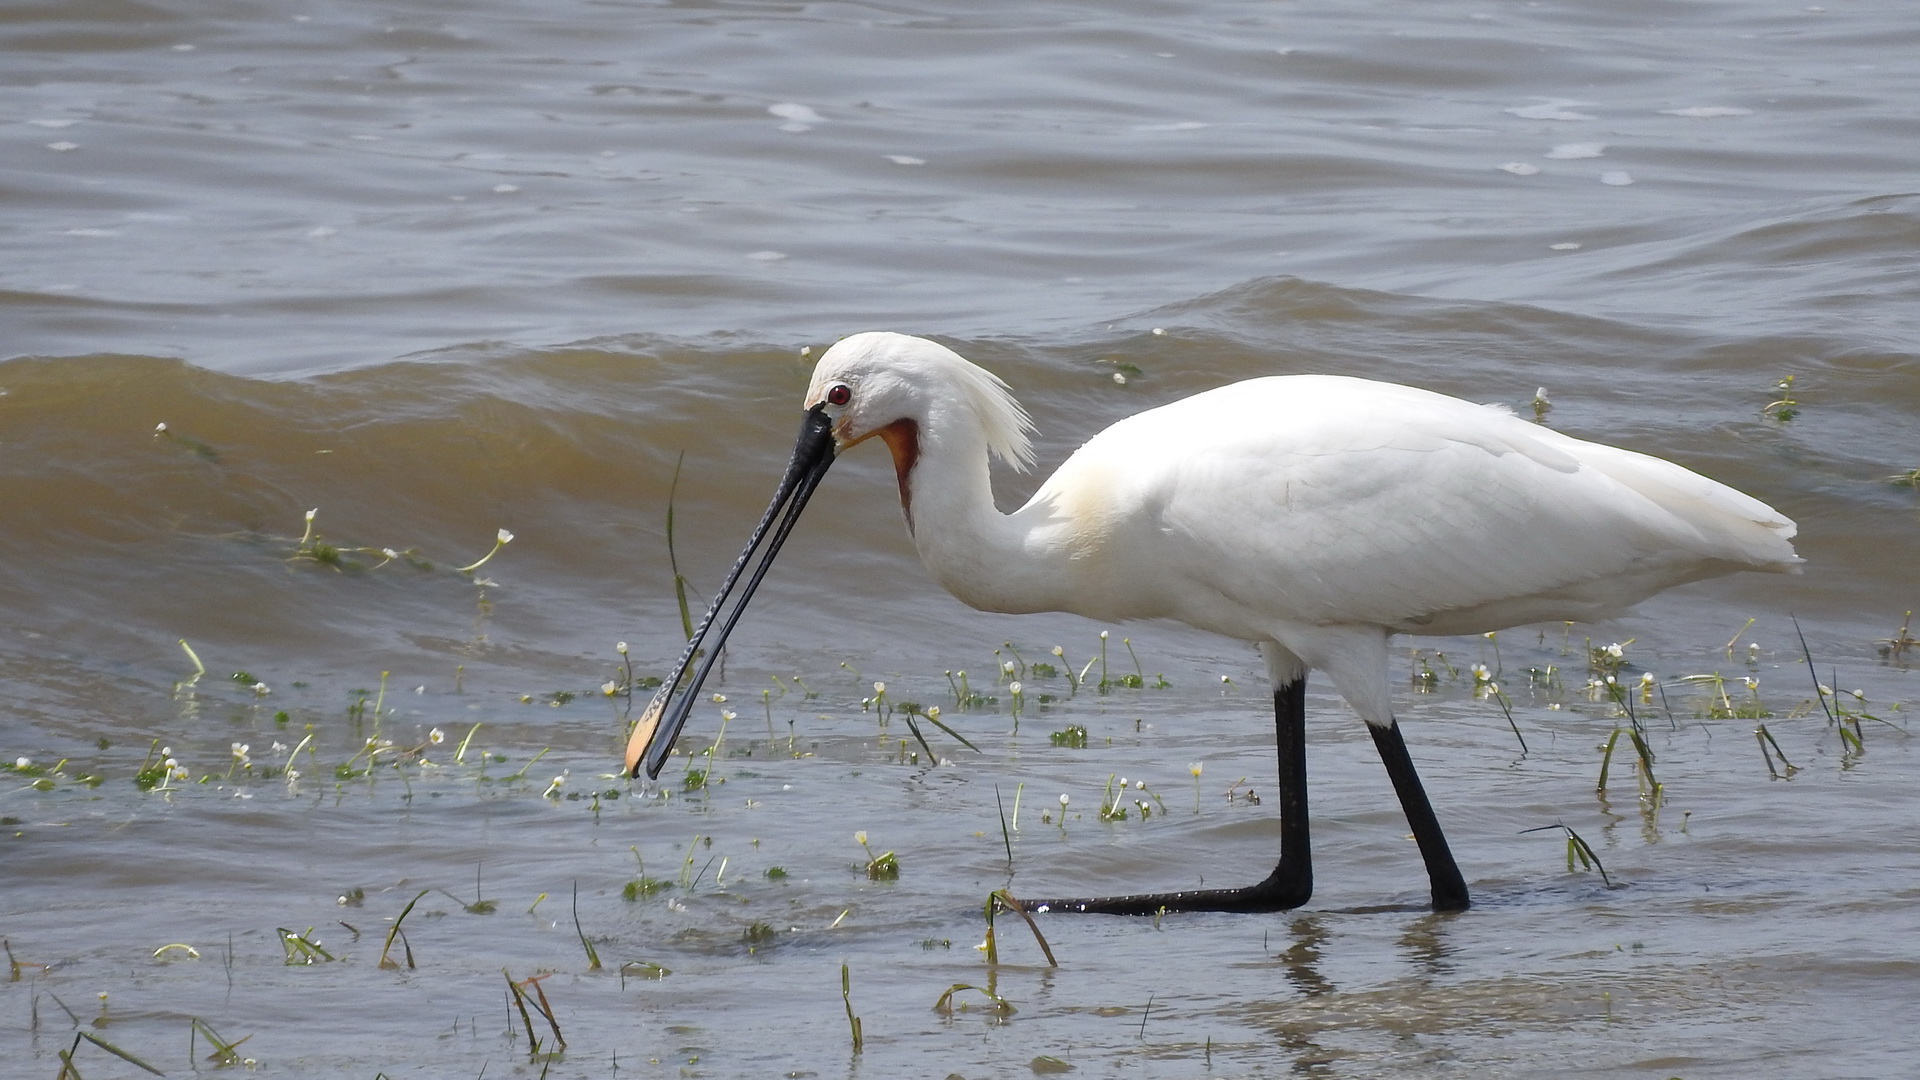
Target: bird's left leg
[(1449, 888), (1356, 659)]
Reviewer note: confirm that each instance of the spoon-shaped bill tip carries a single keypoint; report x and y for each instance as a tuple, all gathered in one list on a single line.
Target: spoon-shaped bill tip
[(643, 733)]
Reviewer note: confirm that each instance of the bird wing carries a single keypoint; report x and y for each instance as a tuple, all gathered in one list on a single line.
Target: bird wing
[(1325, 500)]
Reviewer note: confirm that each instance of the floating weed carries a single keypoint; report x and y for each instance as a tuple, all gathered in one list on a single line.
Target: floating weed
[(642, 969), (997, 1005), (300, 948), (757, 934), (393, 931), (1073, 736), (879, 867), (224, 1052), (643, 886), (846, 997), (1506, 709), (538, 998), (1112, 808), (1002, 900), (593, 956), (1577, 850), (1786, 406), (1138, 679), (1902, 642), (1607, 659), (1770, 749), (1019, 671), (69, 1069), (1006, 835), (1721, 706), (500, 539), (673, 561)]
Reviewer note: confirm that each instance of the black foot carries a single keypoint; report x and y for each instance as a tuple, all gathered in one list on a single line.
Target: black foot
[(1282, 891)]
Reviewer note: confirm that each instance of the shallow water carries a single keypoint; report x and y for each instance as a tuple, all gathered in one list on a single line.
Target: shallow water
[(438, 270)]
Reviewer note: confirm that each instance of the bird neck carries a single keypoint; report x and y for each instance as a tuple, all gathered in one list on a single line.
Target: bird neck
[(989, 560)]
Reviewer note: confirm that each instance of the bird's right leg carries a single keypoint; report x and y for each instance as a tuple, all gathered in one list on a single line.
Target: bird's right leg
[(1291, 883)]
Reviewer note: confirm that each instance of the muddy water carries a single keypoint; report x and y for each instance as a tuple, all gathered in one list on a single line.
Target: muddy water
[(440, 270)]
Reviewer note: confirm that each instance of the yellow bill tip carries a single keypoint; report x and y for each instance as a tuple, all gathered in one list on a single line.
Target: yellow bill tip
[(642, 737)]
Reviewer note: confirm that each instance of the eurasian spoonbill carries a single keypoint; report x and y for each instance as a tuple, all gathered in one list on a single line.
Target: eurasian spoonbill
[(1316, 515)]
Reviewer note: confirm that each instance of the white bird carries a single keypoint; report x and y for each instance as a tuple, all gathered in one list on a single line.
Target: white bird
[(1316, 515)]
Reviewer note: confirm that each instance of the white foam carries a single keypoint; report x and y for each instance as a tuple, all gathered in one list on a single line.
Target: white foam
[(1616, 178), (1549, 109), (1520, 168), (1707, 112), (904, 159), (799, 117), (1574, 151)]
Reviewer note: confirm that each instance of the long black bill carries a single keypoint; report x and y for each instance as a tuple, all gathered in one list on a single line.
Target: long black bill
[(660, 725)]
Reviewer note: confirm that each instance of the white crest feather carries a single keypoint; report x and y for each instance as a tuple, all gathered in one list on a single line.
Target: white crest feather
[(1008, 428)]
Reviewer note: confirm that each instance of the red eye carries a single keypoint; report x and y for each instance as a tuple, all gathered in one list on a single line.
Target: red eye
[(839, 394)]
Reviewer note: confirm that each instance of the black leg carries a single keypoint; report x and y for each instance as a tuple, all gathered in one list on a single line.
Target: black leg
[(1291, 883), (1449, 888)]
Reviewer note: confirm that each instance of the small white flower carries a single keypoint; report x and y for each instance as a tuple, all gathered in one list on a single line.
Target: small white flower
[(1123, 781), (860, 838), (160, 428), (1614, 650), (504, 537), (609, 688), (1195, 768), (1139, 785), (292, 775), (1492, 687), (280, 747), (1119, 378), (879, 688), (261, 689), (1063, 798), (390, 553), (1058, 651), (23, 762), (1014, 688), (1007, 666), (1754, 684), (1103, 635), (933, 712), (311, 514), (620, 647), (729, 715), (1646, 678), (436, 737), (719, 699)]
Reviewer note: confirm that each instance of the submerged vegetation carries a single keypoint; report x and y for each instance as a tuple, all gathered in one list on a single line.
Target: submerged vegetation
[(723, 890)]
